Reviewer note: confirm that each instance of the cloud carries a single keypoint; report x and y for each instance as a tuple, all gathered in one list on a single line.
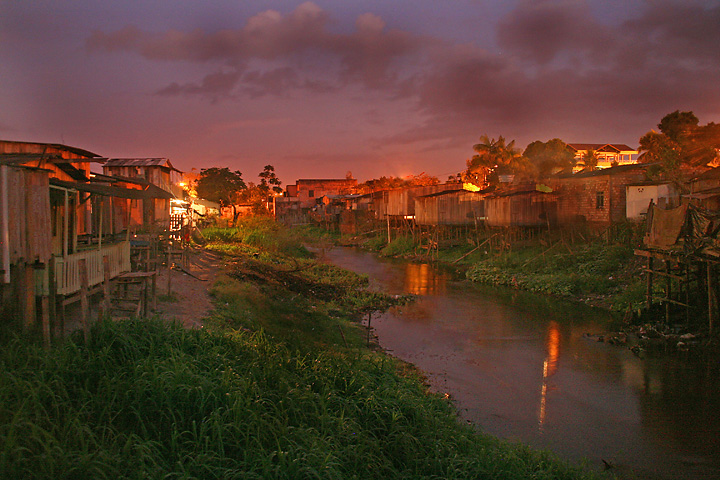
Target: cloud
[(541, 31), (670, 30), (213, 86), (301, 37), (559, 70)]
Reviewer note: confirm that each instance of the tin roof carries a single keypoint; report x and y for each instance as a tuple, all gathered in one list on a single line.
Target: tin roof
[(140, 162), (59, 146)]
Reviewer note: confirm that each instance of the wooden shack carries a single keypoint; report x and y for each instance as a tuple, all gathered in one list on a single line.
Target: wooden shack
[(400, 202), (158, 172), (58, 228), (521, 208), (450, 207)]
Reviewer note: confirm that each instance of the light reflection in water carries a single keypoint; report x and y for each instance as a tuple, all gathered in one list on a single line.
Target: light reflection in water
[(550, 365), (422, 279)]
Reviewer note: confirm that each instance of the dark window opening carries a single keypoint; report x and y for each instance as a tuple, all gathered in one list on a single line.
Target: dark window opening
[(311, 193), (599, 200)]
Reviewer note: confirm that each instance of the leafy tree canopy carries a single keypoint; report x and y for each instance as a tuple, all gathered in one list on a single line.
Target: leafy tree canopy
[(220, 185), (549, 157), (387, 183), (681, 141), (269, 181)]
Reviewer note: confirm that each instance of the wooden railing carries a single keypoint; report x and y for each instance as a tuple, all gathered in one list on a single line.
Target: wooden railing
[(67, 269)]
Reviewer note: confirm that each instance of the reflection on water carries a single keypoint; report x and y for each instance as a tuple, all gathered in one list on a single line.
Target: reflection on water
[(422, 279), (488, 347), (550, 365)]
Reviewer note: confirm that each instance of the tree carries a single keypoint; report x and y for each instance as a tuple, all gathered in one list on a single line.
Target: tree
[(681, 141), (269, 181), (549, 157), (677, 125), (589, 159), (494, 158), (221, 185), (388, 183)]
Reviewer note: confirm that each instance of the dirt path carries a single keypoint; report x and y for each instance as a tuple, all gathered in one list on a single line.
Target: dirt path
[(190, 300)]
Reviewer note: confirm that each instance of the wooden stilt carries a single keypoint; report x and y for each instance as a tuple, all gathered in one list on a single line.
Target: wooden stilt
[(649, 290), (84, 301), (45, 304), (711, 298), (27, 295), (106, 285), (52, 286)]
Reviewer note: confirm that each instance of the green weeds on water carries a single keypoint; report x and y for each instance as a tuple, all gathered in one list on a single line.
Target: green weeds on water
[(592, 269)]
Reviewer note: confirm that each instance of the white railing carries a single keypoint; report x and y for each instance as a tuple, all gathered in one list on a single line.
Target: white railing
[(67, 269)]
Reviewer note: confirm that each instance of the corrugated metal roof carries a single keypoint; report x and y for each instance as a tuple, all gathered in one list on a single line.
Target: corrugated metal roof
[(140, 162), (75, 150), (151, 191)]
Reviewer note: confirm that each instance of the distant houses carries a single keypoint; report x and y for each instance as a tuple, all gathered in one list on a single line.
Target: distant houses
[(608, 154), (592, 198)]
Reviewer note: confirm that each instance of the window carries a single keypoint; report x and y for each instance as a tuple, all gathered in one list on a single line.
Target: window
[(599, 200), (311, 193)]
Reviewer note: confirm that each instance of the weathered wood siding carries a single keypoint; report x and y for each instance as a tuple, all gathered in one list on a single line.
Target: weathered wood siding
[(30, 233), (526, 209), (401, 201), (457, 207)]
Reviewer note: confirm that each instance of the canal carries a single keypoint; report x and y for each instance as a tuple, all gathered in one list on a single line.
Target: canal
[(522, 367)]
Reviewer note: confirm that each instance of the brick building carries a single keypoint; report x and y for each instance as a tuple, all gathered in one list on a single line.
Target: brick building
[(308, 190), (596, 197)]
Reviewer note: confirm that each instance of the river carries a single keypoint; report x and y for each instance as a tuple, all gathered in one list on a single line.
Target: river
[(521, 367)]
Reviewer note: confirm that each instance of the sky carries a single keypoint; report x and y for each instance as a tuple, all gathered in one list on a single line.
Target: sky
[(322, 88)]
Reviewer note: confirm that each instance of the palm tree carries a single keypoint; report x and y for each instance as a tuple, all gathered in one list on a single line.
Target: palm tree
[(589, 159), (495, 157)]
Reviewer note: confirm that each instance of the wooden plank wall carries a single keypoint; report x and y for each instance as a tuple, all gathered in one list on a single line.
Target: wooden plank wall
[(456, 208), (30, 232)]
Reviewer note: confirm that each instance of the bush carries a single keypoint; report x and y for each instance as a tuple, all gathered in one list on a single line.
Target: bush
[(400, 245)]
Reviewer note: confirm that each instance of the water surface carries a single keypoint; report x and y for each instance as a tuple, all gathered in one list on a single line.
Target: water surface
[(520, 366)]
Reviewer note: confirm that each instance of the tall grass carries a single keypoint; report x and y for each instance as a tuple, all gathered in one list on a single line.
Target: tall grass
[(144, 399), (278, 385), (260, 233)]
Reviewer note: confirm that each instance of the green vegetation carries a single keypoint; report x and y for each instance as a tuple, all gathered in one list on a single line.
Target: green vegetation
[(279, 384), (605, 274)]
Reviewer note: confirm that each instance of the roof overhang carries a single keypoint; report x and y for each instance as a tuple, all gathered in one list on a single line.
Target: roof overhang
[(110, 191)]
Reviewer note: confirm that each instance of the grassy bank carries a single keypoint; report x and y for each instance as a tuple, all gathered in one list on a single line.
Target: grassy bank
[(593, 271), (278, 385)]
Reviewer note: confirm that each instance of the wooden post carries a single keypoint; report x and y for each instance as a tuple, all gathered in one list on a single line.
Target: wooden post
[(169, 268), (711, 297), (649, 282), (388, 228), (668, 292), (84, 303), (52, 286), (106, 286), (368, 327), (45, 303), (26, 294)]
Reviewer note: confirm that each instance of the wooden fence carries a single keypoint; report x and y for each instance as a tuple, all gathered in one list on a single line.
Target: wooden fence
[(67, 269)]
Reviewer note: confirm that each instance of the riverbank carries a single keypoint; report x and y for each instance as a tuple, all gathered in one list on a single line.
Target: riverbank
[(592, 270), (278, 383)]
